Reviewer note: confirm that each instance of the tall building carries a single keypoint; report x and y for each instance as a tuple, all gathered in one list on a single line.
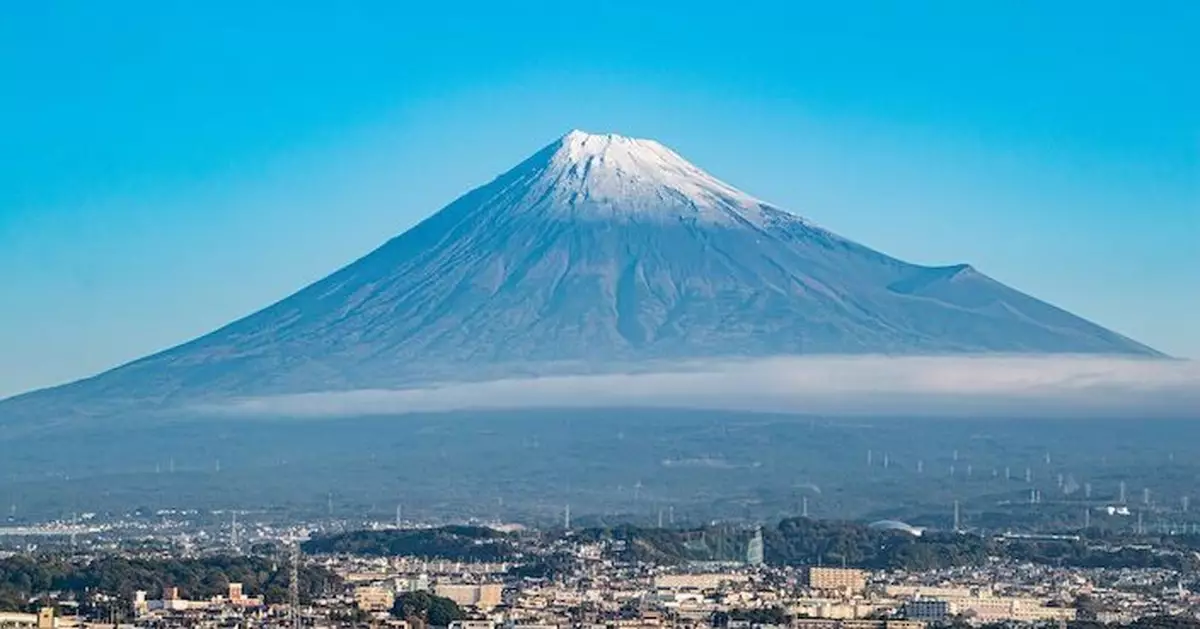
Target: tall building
[(844, 580), (754, 550)]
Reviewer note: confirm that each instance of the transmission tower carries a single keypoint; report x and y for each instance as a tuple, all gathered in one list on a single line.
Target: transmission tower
[(294, 586)]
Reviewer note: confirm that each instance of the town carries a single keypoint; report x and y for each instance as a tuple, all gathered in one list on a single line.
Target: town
[(68, 575)]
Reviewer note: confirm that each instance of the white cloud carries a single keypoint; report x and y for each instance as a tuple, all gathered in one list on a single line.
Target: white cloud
[(872, 385)]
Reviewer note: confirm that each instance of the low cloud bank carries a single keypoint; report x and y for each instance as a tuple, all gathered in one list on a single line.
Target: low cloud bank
[(867, 385)]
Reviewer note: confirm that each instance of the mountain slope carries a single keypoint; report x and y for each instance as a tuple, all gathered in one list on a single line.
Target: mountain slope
[(596, 251)]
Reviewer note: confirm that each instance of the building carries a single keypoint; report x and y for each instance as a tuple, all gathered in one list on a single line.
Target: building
[(928, 610), (373, 598), (842, 580), (930, 591), (994, 609), (698, 582), (238, 598), (895, 525), (471, 624), (44, 619), (822, 623), (485, 596), (172, 602), (832, 608), (411, 583)]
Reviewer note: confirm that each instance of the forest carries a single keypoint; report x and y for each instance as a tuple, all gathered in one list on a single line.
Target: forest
[(455, 543)]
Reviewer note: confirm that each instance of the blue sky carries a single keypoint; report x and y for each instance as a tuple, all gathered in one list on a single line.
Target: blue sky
[(170, 166)]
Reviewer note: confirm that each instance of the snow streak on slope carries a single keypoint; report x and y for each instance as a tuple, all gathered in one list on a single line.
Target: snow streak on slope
[(597, 253)]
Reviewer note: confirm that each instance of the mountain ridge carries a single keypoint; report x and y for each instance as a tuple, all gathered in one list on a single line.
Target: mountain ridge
[(597, 249)]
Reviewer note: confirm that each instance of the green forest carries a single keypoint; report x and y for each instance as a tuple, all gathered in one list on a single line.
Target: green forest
[(455, 543)]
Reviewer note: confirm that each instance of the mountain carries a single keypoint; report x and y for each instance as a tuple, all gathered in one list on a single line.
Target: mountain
[(597, 252)]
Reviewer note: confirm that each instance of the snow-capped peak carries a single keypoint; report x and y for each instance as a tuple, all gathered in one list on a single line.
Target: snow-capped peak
[(612, 150), (608, 175)]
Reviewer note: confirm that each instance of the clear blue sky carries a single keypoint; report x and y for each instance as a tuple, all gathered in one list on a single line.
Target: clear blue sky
[(170, 166)]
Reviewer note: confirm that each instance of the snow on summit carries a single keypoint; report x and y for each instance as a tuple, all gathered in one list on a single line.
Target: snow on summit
[(586, 175)]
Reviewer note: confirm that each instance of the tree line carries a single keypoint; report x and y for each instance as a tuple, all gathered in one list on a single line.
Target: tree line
[(24, 578)]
